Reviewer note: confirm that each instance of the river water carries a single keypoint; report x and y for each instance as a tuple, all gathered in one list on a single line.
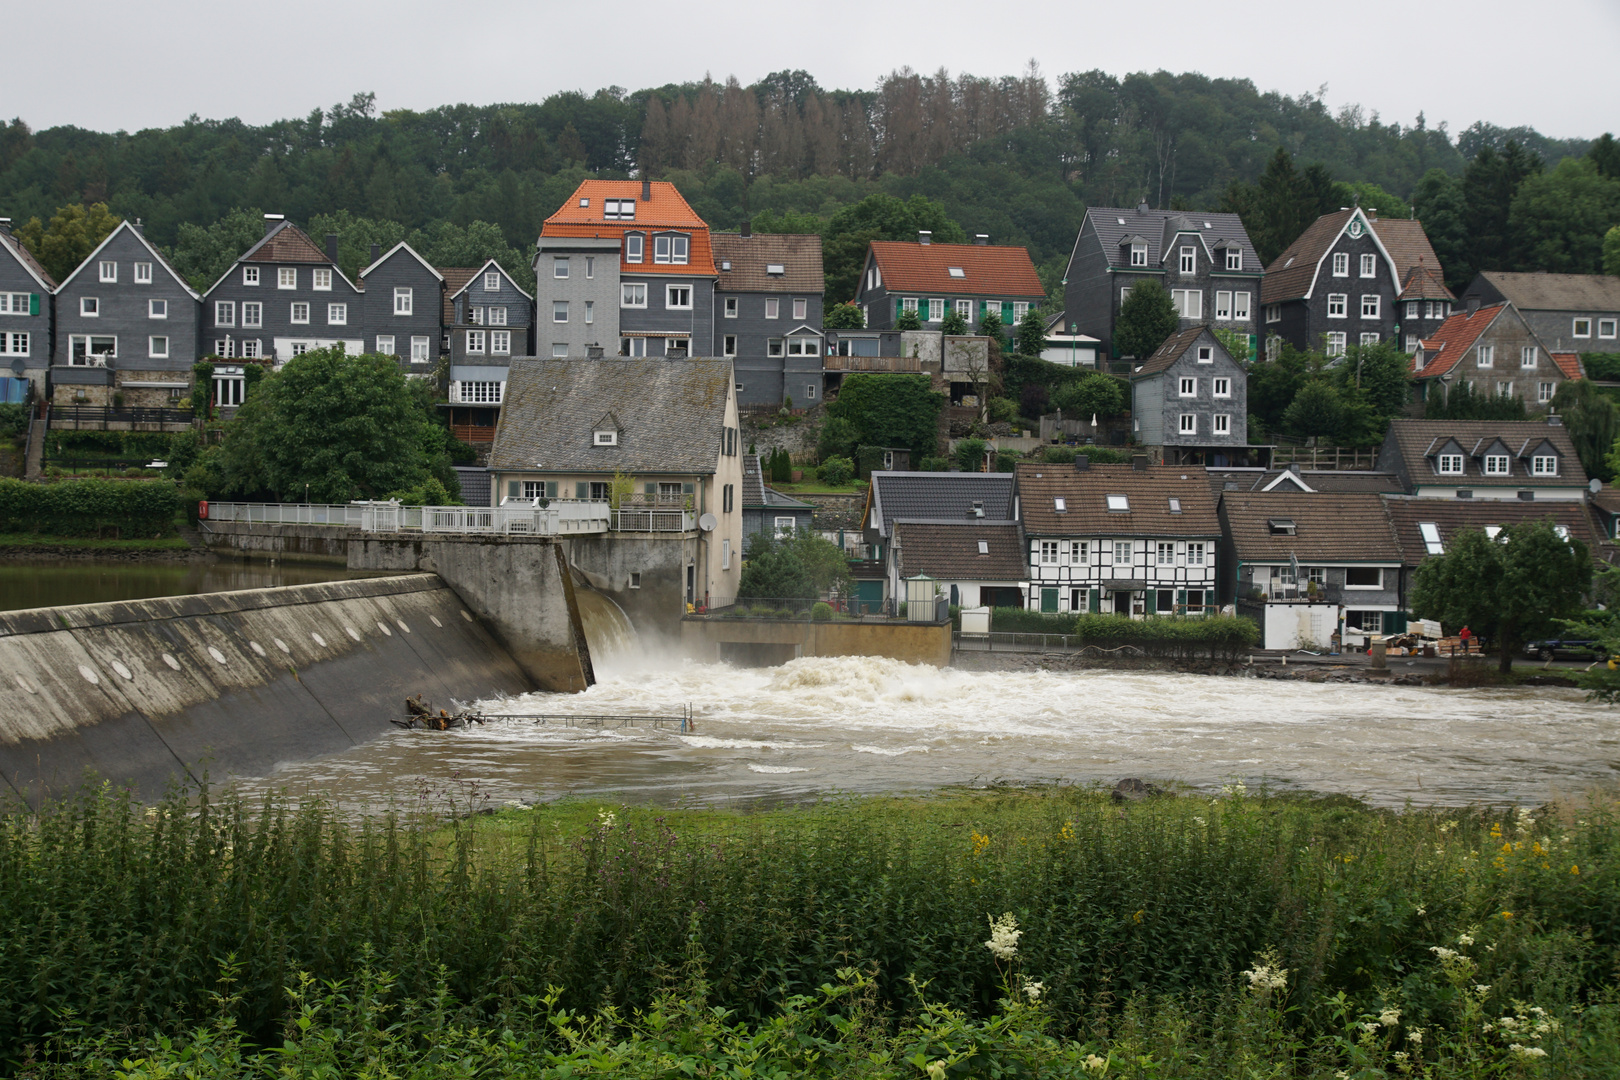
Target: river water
[(865, 724), (48, 583)]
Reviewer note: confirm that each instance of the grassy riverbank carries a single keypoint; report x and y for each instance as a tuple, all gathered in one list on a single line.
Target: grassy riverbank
[(847, 939)]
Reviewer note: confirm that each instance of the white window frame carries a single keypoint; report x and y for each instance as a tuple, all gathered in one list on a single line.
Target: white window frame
[(224, 312), (1222, 388), (1049, 552), (1123, 547), (1341, 264), (1366, 588), (1223, 306), (252, 314), (728, 345), (1079, 552), (590, 312), (475, 342), (1139, 254), (500, 342), (1529, 356), (1188, 424), (404, 299), (680, 249), (773, 307), (661, 244), (633, 294), (250, 275), (803, 345), (635, 247), (559, 267), (1412, 308), (492, 281), (1234, 258), (559, 311), (1240, 306), (1485, 356), (1608, 328), (298, 312), (489, 393), (287, 277), (1449, 464), (674, 294), (801, 308), (1187, 387), (157, 347), (1338, 305), (964, 308), (494, 316), (936, 309), (250, 347), (385, 344), (1369, 266), (1544, 465), (1195, 553), (1580, 326), (773, 346), (1273, 313), (1369, 337), (1545, 392), (421, 344), (1189, 303), (730, 308), (89, 341), (1498, 465), (320, 280), (14, 343), (108, 271), (157, 309), (1504, 389), (1188, 261), (1222, 424), (143, 273), (1371, 305), (337, 314), (1336, 342)]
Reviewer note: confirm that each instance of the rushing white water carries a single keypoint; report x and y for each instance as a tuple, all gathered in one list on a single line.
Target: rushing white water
[(869, 724)]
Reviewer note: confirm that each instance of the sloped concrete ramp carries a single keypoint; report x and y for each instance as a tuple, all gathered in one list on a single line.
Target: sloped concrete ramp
[(149, 692)]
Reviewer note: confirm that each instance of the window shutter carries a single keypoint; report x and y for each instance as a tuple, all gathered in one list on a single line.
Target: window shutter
[(551, 489), (899, 306), (1095, 603), (650, 488), (1181, 599), (1006, 313), (513, 491), (1151, 598), (582, 490), (1394, 622), (33, 303)]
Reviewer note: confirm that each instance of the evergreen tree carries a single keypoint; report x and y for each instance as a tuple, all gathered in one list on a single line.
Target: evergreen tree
[(1031, 332), (1489, 185), (1146, 318), (1440, 206)]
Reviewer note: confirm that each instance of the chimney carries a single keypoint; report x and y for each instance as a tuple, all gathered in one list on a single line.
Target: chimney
[(139, 229), (1293, 467), (1473, 302), (925, 236), (1139, 462), (747, 229), (1142, 207), (593, 352), (5, 225), (1081, 463), (271, 221), (981, 239), (376, 253), (331, 248), (1554, 420), (646, 190)]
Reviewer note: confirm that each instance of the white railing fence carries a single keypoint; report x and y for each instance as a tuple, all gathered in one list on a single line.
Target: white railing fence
[(560, 518)]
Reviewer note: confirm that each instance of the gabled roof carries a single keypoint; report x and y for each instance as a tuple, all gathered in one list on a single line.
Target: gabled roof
[(987, 270), (1085, 494), (455, 280), (29, 263), (1174, 348), (409, 250), (474, 275), (1556, 292), (1316, 480), (951, 552), (1408, 514), (157, 256), (1416, 442), (671, 414), (1569, 363), (936, 496), (1341, 527), (667, 209), (1293, 273), (1425, 282), (286, 243), (1113, 225), (749, 257), (1451, 342)]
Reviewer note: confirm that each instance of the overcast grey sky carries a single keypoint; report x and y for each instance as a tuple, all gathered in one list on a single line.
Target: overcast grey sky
[(1547, 64)]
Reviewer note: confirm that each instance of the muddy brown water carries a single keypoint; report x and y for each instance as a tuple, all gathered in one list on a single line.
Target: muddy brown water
[(49, 583)]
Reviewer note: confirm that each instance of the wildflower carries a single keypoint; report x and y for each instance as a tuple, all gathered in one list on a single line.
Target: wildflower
[(1443, 953), (1095, 1063), (1447, 826), (1033, 989), (1528, 1051), (1507, 914), (1067, 832), (1266, 976), (1199, 820), (980, 841), (1575, 869), (1236, 789), (1465, 939), (1137, 918), (1415, 1036), (1341, 1075), (606, 819), (1004, 935), (1481, 989), (1422, 911), (936, 1070), (1401, 1056), (1371, 1029), (1390, 1016)]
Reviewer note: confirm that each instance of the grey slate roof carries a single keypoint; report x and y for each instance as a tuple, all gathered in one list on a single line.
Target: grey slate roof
[(756, 493), (1556, 292), (670, 415), (1317, 480), (1154, 227), (26, 257), (921, 496), (474, 485), (1174, 347)]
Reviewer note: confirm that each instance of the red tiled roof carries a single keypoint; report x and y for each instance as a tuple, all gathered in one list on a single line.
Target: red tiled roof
[(288, 244), (667, 209), (1569, 363), (986, 270), (1452, 341)]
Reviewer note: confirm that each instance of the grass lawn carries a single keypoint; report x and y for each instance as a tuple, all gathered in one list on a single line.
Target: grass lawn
[(86, 543), (816, 487)]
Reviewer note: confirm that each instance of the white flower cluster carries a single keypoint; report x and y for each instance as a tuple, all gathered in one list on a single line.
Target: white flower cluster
[(1033, 989), (1415, 1036), (1095, 1063), (1390, 1016), (1444, 953), (1004, 935), (606, 819), (1465, 939), (1236, 789), (1524, 1028), (1526, 819), (1267, 976), (1528, 1051)]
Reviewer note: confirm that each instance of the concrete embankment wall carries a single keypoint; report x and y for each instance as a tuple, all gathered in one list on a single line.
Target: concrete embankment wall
[(763, 642), (148, 691), (290, 543)]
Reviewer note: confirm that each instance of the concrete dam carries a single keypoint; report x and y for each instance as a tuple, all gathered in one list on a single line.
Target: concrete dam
[(146, 692)]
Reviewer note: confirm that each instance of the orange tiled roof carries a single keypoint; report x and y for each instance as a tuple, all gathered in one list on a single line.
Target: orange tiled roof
[(1452, 341), (987, 270), (667, 209), (1569, 363)]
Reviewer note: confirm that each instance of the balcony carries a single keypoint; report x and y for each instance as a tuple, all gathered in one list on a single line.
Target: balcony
[(891, 364), (653, 519)]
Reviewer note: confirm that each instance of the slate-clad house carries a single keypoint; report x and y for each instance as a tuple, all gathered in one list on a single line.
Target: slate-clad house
[(25, 311), (944, 497), (666, 268), (1205, 262), (1568, 312), (767, 314), (932, 279), (1354, 279), (402, 308), (976, 564), (766, 510), (1281, 543), (1494, 352), (670, 425), (127, 323), (488, 321), (1483, 459), (579, 288), (281, 298), (1190, 401), (1132, 540)]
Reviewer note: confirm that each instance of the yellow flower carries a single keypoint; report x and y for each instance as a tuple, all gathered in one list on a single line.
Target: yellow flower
[(980, 842), (1067, 832), (1137, 918), (1507, 914), (1575, 869)]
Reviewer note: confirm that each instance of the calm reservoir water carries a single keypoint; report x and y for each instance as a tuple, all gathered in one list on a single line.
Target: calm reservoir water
[(869, 725), (91, 581)]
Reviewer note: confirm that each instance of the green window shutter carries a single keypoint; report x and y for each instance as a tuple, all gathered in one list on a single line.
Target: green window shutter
[(551, 489), (1006, 313), (582, 489), (1151, 598), (899, 306), (1049, 601), (1395, 622), (1181, 599), (33, 303), (513, 490), (650, 487), (1095, 604)]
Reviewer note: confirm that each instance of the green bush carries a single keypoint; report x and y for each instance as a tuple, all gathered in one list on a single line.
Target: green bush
[(89, 508), (935, 464), (868, 459), (126, 444), (1014, 620), (1003, 411), (1007, 460), (970, 454), (1102, 455), (1057, 455), (1215, 637), (1604, 367), (836, 471), (821, 611), (13, 420)]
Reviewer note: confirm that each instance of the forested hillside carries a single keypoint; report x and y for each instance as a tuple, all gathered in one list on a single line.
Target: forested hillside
[(1004, 156)]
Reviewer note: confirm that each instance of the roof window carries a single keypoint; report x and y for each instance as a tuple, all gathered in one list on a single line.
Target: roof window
[(1281, 526), (775, 268), (585, 203), (607, 438), (1119, 502), (1060, 504), (1120, 220), (1175, 505), (984, 547), (619, 209), (1431, 537), (957, 271), (1493, 531)]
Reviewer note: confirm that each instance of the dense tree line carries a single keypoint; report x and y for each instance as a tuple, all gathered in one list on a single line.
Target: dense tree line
[(1013, 157)]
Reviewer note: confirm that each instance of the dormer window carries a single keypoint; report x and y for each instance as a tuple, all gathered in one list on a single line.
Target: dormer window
[(1138, 254), (1234, 258), (1544, 465), (619, 209), (956, 272), (607, 438), (1119, 503), (634, 247), (1451, 464), (1497, 465), (1280, 526)]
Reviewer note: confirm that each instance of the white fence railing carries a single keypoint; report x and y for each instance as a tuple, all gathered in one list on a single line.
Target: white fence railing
[(636, 519), (560, 518)]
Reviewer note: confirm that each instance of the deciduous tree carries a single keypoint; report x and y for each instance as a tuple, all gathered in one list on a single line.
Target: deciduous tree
[(73, 233)]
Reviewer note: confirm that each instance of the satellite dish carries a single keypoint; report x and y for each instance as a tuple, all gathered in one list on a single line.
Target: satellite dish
[(707, 522), (1594, 485)]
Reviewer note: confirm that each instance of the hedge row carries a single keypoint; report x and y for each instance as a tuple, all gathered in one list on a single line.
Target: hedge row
[(1216, 637), (89, 508)]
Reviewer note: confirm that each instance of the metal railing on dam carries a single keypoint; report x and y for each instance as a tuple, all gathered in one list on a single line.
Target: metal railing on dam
[(563, 517)]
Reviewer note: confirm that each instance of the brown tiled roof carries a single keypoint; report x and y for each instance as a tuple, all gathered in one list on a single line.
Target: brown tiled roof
[(1085, 493), (667, 209), (1449, 516), (455, 279), (1451, 342), (1170, 351), (1416, 440), (987, 270), (1338, 527), (1317, 480), (798, 255), (1291, 274), (26, 257), (1557, 292), (951, 552), (1425, 282), (287, 243), (1569, 363), (1608, 498)]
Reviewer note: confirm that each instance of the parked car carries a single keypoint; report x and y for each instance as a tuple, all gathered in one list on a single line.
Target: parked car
[(1565, 649)]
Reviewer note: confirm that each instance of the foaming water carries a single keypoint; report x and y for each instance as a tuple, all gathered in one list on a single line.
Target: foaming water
[(869, 724)]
